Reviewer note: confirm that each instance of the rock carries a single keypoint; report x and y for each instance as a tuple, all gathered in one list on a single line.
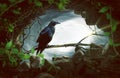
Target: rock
[(78, 63), (62, 59), (24, 70), (44, 75), (35, 62), (65, 66), (24, 66), (29, 68), (50, 68), (94, 51), (111, 64), (83, 62)]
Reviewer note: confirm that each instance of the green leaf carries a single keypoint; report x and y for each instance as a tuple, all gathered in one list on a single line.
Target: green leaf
[(107, 33), (11, 28), (50, 1), (61, 6), (104, 9), (108, 15), (42, 58), (32, 50), (15, 50), (42, 61), (21, 55), (41, 55), (38, 3), (114, 25), (13, 61), (64, 1), (26, 56), (16, 11), (111, 42), (9, 44)]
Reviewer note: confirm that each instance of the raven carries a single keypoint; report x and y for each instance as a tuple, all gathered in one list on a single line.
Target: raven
[(45, 36)]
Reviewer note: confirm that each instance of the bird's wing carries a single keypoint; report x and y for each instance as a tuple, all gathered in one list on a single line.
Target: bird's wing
[(44, 34), (45, 30)]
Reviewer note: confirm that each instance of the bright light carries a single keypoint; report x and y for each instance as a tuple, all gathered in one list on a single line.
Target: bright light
[(70, 31)]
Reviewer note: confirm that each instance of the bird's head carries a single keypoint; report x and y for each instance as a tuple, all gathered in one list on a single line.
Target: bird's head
[(53, 23)]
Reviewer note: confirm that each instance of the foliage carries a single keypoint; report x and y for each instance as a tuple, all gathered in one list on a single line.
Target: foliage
[(11, 55), (10, 28), (42, 58), (62, 4), (15, 9), (50, 1), (37, 3), (104, 9), (113, 23)]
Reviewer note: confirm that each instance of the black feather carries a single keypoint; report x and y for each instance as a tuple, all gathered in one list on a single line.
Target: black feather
[(45, 36)]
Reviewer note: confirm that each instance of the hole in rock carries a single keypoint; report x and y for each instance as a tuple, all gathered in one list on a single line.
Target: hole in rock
[(72, 29)]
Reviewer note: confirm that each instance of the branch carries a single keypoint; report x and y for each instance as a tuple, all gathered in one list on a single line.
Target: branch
[(17, 2), (63, 45), (67, 45)]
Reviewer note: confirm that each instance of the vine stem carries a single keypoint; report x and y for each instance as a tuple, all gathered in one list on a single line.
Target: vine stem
[(11, 6)]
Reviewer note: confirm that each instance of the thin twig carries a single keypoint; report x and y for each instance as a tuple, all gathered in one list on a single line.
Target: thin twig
[(11, 7)]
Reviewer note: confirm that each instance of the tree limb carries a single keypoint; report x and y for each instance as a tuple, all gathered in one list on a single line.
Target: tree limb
[(17, 2), (67, 45)]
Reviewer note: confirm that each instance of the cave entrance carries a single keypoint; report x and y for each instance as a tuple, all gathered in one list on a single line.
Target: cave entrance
[(72, 29)]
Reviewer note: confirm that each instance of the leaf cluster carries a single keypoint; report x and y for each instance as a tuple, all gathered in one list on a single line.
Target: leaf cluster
[(11, 55)]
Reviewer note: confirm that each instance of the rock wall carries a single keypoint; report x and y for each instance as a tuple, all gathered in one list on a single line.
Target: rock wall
[(78, 66)]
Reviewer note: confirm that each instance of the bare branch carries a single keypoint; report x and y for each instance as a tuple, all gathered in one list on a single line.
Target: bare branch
[(67, 45)]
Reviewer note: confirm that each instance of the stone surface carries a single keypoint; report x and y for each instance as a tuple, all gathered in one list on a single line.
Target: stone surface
[(35, 62), (24, 66), (44, 75)]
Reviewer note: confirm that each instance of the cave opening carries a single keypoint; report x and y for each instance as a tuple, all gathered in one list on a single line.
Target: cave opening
[(72, 29)]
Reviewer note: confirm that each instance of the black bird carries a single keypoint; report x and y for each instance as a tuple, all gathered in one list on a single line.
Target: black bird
[(45, 36)]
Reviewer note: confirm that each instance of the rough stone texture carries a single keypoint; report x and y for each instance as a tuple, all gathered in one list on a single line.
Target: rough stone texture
[(79, 66), (44, 75), (50, 68), (24, 66), (35, 62), (65, 67)]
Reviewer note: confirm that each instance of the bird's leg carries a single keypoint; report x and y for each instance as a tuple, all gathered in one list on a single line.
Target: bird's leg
[(37, 52), (41, 50)]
